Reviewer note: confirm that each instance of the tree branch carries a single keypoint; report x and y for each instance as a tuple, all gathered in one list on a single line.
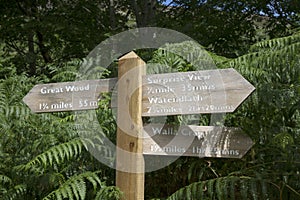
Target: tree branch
[(44, 50)]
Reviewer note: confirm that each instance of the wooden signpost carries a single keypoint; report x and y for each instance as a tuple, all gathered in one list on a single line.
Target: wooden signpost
[(130, 126), (67, 96), (208, 91), (195, 141)]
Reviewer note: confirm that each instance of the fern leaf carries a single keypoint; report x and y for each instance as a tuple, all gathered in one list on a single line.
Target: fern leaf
[(220, 189), (66, 192), (74, 187), (210, 188), (264, 189), (15, 193), (233, 181), (229, 187), (95, 181), (109, 192), (253, 189), (244, 189), (196, 191), (58, 153), (276, 43), (81, 188), (5, 180)]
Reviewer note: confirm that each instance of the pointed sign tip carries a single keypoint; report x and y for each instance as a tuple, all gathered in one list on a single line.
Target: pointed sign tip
[(129, 55), (25, 99)]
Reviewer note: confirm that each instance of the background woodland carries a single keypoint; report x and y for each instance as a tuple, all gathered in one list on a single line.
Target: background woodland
[(42, 156)]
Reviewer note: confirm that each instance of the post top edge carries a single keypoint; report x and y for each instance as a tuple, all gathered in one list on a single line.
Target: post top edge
[(129, 55)]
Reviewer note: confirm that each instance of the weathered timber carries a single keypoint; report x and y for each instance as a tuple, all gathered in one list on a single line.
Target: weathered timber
[(208, 91), (130, 160), (67, 96), (195, 141)]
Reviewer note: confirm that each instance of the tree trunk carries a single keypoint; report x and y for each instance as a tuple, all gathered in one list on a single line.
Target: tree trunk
[(31, 54), (112, 14), (145, 12), (43, 49)]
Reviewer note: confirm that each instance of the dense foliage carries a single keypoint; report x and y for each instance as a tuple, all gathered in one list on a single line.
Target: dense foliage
[(42, 156), (271, 117)]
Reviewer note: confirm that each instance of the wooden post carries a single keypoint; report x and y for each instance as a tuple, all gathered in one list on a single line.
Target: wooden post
[(130, 162)]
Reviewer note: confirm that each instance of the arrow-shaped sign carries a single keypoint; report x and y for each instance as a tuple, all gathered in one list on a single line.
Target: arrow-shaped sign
[(67, 96), (196, 141), (209, 91)]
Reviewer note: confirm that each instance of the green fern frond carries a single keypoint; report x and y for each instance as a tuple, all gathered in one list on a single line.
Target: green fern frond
[(220, 193), (5, 180), (210, 188), (66, 72), (75, 187), (253, 189), (222, 188), (245, 66), (66, 151), (184, 56), (15, 111), (282, 140), (218, 60), (95, 180), (244, 188), (15, 193), (269, 58), (58, 153), (232, 182), (110, 193), (56, 179), (91, 69), (3, 99), (65, 76), (68, 118), (276, 43), (46, 139)]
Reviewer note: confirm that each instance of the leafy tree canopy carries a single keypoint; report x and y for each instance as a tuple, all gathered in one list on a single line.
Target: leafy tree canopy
[(42, 156)]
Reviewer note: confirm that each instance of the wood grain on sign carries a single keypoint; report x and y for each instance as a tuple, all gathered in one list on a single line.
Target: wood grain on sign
[(209, 91), (195, 141), (130, 162), (67, 96)]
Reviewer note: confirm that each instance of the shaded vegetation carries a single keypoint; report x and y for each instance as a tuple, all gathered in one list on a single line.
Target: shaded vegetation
[(42, 156)]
